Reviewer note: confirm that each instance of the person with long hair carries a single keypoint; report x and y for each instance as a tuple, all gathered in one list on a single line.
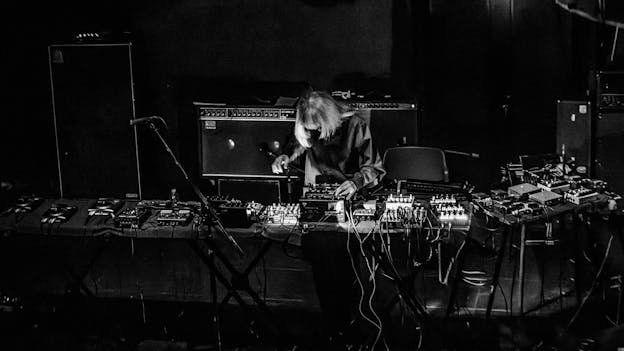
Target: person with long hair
[(338, 147)]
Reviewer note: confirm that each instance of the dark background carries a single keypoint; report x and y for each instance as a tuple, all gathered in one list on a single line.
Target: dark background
[(461, 60)]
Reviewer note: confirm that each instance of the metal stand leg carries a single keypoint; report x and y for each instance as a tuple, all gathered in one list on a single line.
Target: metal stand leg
[(450, 307), (236, 282), (521, 271), (497, 268), (215, 304)]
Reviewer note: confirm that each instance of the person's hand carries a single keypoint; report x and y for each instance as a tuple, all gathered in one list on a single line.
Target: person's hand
[(346, 189), (280, 164)]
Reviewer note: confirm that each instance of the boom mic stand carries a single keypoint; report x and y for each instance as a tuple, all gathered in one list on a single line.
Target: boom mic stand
[(206, 205), (237, 281)]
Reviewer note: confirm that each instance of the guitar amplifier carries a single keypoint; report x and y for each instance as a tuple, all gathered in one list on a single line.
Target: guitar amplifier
[(231, 139)]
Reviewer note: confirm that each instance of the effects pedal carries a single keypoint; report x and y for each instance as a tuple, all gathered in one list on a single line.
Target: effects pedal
[(555, 186), (58, 213), (24, 204), (580, 196), (179, 217), (234, 214), (131, 217), (401, 209), (522, 191), (546, 198), (283, 213), (105, 207), (320, 204)]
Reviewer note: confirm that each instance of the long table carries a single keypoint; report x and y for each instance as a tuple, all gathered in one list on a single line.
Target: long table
[(210, 246)]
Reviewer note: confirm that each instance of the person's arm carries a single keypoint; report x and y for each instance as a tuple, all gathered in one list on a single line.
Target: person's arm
[(371, 165), (292, 151)]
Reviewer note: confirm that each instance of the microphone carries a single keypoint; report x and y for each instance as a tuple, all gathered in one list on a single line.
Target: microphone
[(144, 120)]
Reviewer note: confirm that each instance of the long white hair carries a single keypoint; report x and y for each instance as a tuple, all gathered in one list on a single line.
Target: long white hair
[(319, 108)]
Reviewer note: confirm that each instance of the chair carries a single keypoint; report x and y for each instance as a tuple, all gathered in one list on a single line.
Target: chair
[(416, 163)]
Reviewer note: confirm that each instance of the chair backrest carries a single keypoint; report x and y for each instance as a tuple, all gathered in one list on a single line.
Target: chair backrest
[(416, 163)]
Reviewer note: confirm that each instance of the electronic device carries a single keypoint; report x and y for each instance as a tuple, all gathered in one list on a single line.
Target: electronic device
[(401, 209), (174, 217), (555, 185), (594, 184), (428, 188), (443, 200), (546, 198), (210, 111), (24, 204), (234, 133), (320, 204), (365, 214), (448, 210), (322, 191), (322, 210), (105, 207), (58, 213), (580, 195), (132, 217), (282, 213), (526, 208), (523, 190), (235, 214)]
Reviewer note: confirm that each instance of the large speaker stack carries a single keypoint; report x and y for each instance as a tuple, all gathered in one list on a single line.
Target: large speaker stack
[(593, 131), (236, 143), (609, 129), (93, 103)]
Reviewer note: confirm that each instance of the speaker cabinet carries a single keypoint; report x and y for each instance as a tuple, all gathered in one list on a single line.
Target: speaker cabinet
[(231, 138), (93, 103), (609, 144), (231, 147), (574, 131)]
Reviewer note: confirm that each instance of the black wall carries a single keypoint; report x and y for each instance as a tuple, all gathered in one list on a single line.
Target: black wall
[(463, 61)]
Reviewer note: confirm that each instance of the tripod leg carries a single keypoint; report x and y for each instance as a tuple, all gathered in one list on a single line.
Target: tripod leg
[(215, 305), (522, 268)]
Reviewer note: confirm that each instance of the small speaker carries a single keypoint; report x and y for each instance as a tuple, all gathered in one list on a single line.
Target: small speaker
[(609, 143), (93, 103), (574, 131)]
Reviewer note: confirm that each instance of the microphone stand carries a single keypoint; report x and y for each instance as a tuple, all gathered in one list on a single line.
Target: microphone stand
[(461, 153), (205, 202)]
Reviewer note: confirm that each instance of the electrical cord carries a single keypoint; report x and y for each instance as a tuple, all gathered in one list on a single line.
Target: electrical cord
[(373, 280), (357, 276), (594, 282)]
